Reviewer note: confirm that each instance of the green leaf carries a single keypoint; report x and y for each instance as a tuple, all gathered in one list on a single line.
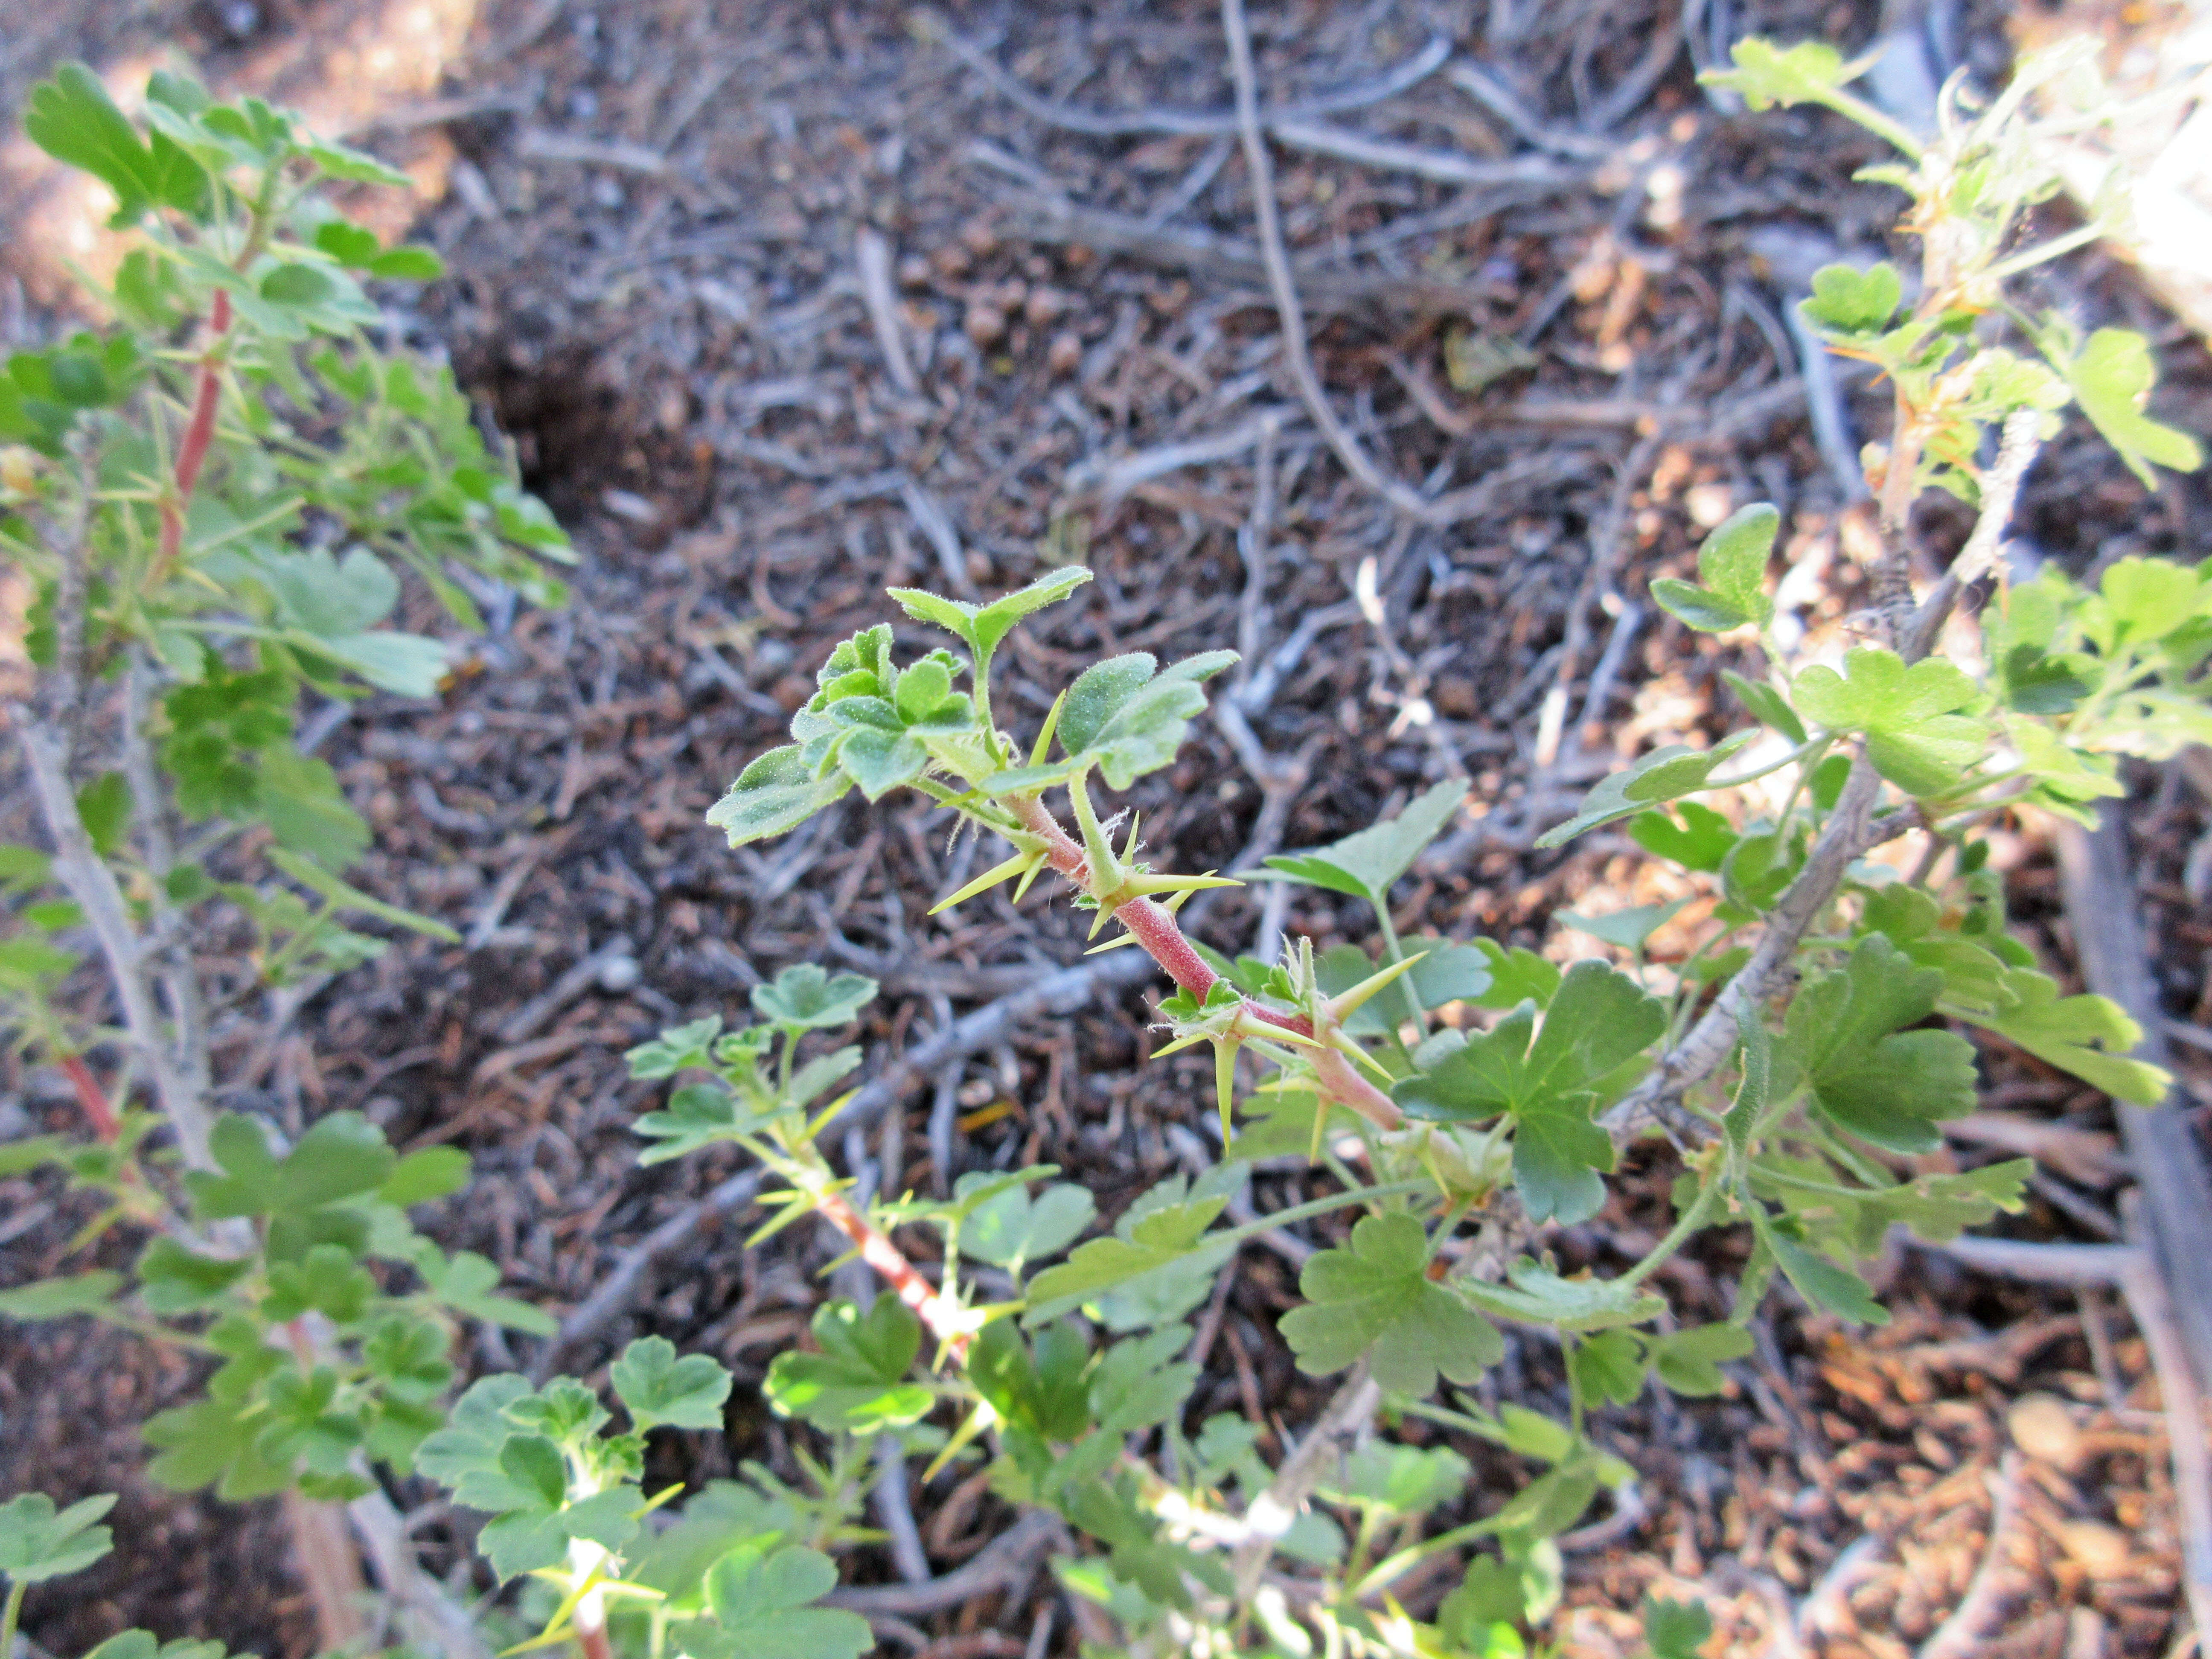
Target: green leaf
[(2149, 599), (1823, 1283), (1141, 1382), (407, 264), (1394, 1480), (1939, 1207), (465, 1284), (805, 997), (37, 1543), (1765, 75), (760, 1600), (657, 1387), (58, 1298), (1373, 1296), (1012, 1228), (678, 1048), (1672, 770), (984, 626), (2088, 1036), (1847, 302), (1915, 737), (1626, 929), (73, 119), (2112, 377), (105, 805), (353, 167), (1888, 1086), (858, 1382), (341, 1156), (1675, 1630), (1122, 718), (724, 1516), (1597, 1021), (301, 801), (1732, 569), (432, 1173), (1539, 1296), (1368, 863), (694, 1118), (1609, 1367), (775, 794), (1154, 1240), (326, 1279), (1689, 1361), (175, 1279), (1694, 836), (1767, 706)]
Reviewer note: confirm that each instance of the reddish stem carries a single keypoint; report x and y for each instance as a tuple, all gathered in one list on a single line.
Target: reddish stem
[(91, 1097), (887, 1260), (592, 1639), (1155, 928), (200, 431)]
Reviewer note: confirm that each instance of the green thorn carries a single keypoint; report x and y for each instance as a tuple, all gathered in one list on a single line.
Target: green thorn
[(1018, 864), (1225, 1082), (1346, 1002), (1051, 726)]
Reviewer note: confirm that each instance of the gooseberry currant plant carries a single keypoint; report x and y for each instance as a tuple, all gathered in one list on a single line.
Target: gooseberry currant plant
[(215, 496), (1452, 1098)]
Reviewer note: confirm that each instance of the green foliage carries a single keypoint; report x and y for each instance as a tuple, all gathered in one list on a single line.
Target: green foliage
[(38, 1542), (857, 1382), (1373, 1298), (1730, 590), (1916, 735), (1368, 864)]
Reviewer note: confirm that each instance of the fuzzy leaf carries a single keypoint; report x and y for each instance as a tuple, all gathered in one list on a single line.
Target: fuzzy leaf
[(73, 119), (1154, 1240), (1849, 301), (775, 794), (1373, 1296), (1012, 1228), (1127, 721), (1731, 586), (2090, 1036), (1689, 1361), (1597, 1020)]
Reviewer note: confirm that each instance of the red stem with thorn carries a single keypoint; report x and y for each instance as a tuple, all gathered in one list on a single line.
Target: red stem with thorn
[(1155, 928)]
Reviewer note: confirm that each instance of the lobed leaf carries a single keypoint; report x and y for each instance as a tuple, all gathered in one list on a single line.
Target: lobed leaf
[(1373, 1296)]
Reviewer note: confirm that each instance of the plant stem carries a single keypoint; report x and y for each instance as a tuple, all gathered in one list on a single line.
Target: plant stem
[(1155, 928), (199, 433), (97, 1111), (876, 1248), (10, 1616), (1691, 1219)]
